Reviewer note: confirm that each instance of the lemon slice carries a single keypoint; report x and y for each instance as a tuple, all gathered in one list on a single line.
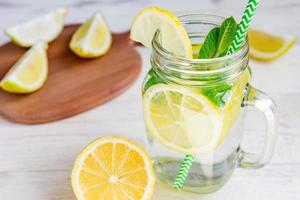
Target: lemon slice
[(267, 47), (92, 39), (196, 48), (45, 28), (173, 35), (233, 107), (182, 119), (29, 73), (113, 168)]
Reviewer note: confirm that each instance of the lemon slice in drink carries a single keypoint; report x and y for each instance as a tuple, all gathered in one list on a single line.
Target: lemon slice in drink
[(113, 168), (267, 47), (91, 39), (233, 107), (182, 119), (45, 28), (29, 73), (173, 35)]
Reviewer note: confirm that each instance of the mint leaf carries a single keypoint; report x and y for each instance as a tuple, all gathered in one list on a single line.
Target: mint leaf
[(153, 80), (210, 45), (227, 31), (217, 44), (218, 95), (219, 39)]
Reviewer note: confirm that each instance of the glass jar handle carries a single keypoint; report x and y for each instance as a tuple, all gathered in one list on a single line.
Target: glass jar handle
[(266, 105)]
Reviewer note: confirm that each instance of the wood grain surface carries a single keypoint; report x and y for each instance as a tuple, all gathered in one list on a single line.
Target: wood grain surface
[(74, 85)]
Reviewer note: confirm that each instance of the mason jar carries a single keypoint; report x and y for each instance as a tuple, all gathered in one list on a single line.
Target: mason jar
[(197, 107)]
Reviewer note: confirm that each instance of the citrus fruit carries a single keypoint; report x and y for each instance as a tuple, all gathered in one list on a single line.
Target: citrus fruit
[(113, 168), (268, 47), (30, 71), (233, 107), (182, 118), (45, 28), (91, 39), (173, 35), (196, 48)]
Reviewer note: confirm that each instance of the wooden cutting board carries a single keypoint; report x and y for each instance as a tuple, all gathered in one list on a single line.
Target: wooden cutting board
[(74, 84)]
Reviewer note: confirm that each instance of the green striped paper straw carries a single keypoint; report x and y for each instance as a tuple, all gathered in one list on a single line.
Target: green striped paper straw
[(243, 26), (183, 171), (236, 44)]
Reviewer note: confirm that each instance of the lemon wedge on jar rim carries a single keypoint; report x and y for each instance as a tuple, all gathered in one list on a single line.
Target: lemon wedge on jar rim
[(173, 35), (30, 71)]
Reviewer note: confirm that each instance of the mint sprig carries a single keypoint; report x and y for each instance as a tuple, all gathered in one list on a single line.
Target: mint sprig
[(218, 40), (210, 45), (216, 44), (227, 32), (153, 80), (218, 95)]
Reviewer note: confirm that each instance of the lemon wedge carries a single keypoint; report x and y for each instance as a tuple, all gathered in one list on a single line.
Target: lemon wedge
[(91, 39), (173, 35), (114, 168), (45, 28), (267, 47), (29, 73)]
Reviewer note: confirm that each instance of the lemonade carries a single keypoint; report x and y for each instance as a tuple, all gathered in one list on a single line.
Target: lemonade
[(194, 97), (182, 116), (196, 110)]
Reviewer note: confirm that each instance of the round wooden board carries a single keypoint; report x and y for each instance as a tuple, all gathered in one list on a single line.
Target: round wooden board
[(74, 84)]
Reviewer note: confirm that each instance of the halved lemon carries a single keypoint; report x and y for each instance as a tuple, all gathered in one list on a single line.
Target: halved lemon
[(113, 168), (173, 35), (29, 73), (268, 47), (182, 119), (91, 39), (45, 28)]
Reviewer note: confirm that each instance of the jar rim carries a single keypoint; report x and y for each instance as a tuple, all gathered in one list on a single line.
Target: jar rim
[(158, 48), (194, 71)]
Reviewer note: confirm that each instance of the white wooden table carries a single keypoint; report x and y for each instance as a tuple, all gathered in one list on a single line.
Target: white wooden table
[(36, 161)]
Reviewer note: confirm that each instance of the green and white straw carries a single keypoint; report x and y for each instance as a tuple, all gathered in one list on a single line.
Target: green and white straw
[(183, 171), (243, 26), (236, 44)]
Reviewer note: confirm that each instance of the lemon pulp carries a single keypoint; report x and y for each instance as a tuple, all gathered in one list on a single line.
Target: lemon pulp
[(92, 39), (113, 167)]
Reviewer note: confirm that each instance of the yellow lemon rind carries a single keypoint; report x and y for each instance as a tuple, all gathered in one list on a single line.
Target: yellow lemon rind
[(114, 139)]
